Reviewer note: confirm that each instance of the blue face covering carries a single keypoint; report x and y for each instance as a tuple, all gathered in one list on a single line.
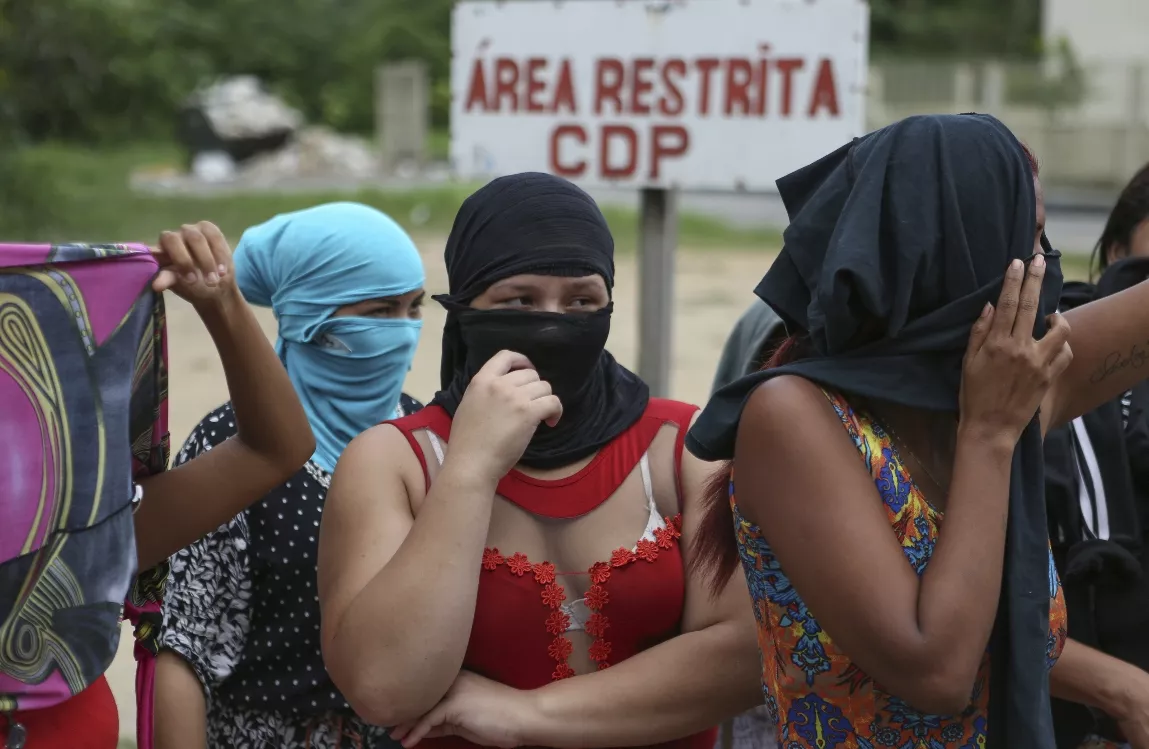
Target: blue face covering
[(348, 371)]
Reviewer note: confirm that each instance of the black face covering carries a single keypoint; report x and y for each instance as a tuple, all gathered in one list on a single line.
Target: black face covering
[(896, 243), (565, 349), (538, 224)]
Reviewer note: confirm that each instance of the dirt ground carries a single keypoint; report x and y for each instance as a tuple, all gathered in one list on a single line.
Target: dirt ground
[(711, 290)]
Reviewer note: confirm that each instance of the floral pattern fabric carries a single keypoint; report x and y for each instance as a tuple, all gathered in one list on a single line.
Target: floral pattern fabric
[(815, 695)]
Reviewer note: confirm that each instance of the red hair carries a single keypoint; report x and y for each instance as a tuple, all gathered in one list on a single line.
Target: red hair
[(715, 550)]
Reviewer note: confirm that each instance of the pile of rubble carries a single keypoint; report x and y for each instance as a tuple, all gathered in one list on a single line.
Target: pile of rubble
[(236, 131)]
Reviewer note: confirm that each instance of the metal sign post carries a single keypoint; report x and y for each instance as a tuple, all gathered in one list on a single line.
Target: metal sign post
[(657, 242)]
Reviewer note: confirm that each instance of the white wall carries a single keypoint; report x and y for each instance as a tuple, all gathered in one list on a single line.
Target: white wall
[(1100, 30)]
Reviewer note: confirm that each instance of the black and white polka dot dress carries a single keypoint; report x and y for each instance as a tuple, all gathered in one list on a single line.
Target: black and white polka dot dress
[(241, 607)]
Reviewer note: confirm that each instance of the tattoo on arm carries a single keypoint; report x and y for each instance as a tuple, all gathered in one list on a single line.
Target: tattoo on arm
[(1120, 360)]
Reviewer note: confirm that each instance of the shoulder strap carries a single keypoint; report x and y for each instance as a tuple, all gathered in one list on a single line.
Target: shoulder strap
[(438, 425), (680, 414)]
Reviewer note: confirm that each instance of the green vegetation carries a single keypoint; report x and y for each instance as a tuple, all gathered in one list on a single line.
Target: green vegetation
[(93, 202), (950, 29), (119, 69)]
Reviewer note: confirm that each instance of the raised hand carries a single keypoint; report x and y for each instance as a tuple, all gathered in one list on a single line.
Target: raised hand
[(503, 406), (195, 263), (1007, 372)]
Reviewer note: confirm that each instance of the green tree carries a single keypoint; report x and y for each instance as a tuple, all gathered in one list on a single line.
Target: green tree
[(956, 28)]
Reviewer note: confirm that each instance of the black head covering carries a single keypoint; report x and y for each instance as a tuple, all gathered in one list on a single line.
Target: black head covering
[(538, 224), (896, 243)]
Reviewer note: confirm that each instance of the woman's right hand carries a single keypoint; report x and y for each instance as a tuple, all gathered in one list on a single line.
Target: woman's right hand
[(503, 406), (195, 263), (1007, 372)]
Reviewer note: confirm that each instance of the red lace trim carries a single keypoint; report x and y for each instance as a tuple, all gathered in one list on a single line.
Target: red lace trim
[(597, 597)]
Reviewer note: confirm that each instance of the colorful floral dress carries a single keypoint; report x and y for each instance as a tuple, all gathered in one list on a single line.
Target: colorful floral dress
[(816, 696)]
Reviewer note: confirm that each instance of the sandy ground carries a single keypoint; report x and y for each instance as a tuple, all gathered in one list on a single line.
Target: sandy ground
[(712, 290)]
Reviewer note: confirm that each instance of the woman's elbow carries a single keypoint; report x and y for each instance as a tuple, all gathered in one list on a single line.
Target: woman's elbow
[(938, 689), (284, 456), (373, 690), (303, 447), (382, 702)]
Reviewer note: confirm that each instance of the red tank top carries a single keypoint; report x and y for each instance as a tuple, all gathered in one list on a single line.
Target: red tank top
[(637, 594)]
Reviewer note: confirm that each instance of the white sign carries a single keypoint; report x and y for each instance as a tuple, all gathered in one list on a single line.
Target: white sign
[(698, 94)]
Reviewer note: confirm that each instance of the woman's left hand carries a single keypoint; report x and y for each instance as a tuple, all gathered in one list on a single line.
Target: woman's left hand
[(195, 263), (1133, 716), (476, 709)]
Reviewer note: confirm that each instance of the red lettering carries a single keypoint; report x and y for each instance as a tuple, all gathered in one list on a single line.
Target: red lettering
[(671, 103), (477, 88), (535, 84), (576, 169), (564, 90), (630, 140), (706, 66), (641, 85), (787, 66), (760, 94), (825, 94), (666, 141), (739, 76), (608, 84), (506, 81)]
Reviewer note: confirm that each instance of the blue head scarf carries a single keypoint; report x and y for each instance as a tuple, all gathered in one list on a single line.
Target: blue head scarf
[(348, 371)]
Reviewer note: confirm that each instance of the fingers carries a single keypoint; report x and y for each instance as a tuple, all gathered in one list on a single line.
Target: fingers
[(200, 250), (980, 330), (425, 724), (401, 730), (174, 255), (537, 390), (504, 362), (1029, 299), (1007, 301), (548, 409), (1055, 342), (163, 281), (220, 250), (521, 377), (1061, 361), (196, 252)]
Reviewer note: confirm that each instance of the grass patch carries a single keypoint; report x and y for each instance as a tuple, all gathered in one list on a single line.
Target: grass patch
[(93, 202)]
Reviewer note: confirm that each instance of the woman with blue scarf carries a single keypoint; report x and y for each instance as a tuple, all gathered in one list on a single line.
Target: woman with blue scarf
[(240, 665)]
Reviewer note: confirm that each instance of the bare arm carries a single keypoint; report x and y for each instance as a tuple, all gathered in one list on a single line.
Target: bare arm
[(207, 605), (1110, 342), (800, 479), (397, 592), (275, 438), (682, 686), (1119, 689), (687, 684), (180, 707), (922, 638)]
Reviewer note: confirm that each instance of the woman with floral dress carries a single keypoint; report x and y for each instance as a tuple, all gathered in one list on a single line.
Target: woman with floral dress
[(926, 360)]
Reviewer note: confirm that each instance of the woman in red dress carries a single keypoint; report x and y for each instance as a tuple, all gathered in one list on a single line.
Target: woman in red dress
[(509, 566)]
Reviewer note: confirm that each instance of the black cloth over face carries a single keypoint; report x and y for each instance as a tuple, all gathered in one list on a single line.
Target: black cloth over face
[(896, 242), (535, 223)]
